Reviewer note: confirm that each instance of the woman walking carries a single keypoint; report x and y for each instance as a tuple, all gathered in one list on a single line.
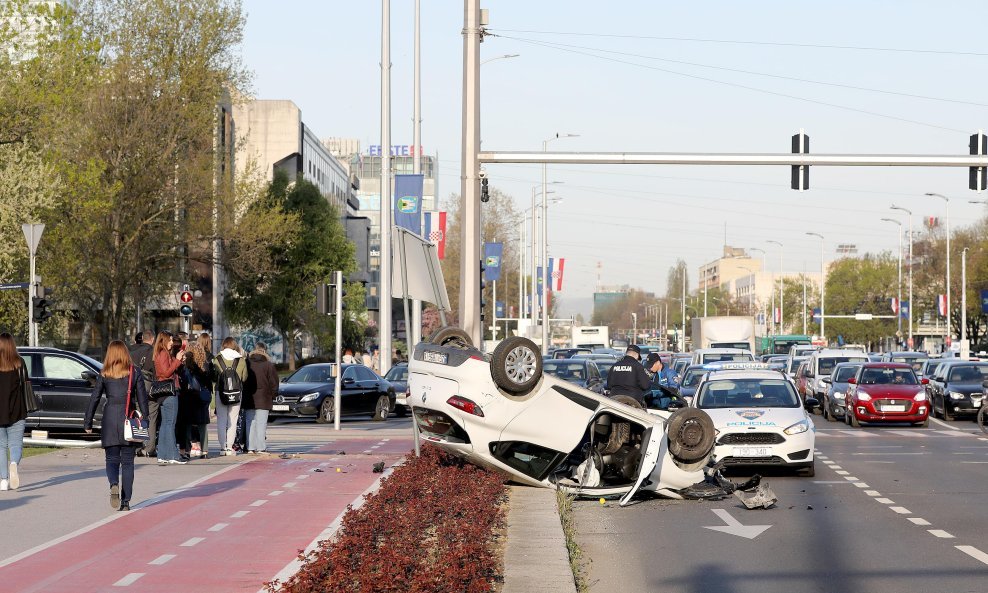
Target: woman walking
[(199, 366), (165, 367), (230, 370), (13, 411), (121, 382), (264, 386)]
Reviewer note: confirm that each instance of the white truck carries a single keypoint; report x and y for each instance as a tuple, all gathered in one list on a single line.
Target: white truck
[(724, 332), (591, 336)]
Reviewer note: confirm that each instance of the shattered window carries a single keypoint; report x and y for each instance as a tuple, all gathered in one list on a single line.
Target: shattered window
[(532, 460)]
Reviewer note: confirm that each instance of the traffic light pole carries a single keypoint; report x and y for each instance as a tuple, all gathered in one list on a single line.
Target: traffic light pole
[(338, 311), (32, 338)]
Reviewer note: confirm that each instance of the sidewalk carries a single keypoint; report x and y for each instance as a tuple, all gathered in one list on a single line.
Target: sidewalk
[(535, 556)]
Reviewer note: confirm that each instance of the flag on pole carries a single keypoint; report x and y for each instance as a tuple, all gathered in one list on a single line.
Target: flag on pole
[(435, 231), (777, 315), (408, 202), (895, 305), (942, 304), (557, 275), (538, 281), (492, 260), (904, 309)]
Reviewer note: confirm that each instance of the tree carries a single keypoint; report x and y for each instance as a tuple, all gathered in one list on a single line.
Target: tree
[(795, 307), (863, 284)]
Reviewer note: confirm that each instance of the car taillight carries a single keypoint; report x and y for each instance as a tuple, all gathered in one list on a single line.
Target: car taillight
[(469, 406)]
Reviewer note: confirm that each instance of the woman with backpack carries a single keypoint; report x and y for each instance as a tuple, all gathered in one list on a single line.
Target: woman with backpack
[(198, 394), (230, 372)]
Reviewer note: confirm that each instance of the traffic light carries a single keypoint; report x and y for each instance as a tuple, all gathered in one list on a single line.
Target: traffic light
[(185, 309), (327, 294), (41, 312), (485, 195), (978, 176), (322, 298), (800, 173)]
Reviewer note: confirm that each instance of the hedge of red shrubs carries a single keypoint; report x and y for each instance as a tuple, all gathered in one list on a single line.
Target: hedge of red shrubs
[(431, 528)]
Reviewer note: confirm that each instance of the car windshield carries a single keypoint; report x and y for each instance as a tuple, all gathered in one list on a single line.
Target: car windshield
[(726, 356), (794, 363), (397, 374), (565, 370), (692, 377), (825, 366), (311, 374), (604, 366), (747, 393), (968, 374), (887, 376), (845, 373)]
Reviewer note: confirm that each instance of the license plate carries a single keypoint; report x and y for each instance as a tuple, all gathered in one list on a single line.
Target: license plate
[(436, 357), (893, 408), (752, 451), (279, 408)]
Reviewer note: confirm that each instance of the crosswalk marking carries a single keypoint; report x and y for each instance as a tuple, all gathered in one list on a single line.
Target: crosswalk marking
[(831, 433)]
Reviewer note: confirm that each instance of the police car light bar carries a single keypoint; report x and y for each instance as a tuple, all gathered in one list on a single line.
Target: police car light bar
[(736, 366)]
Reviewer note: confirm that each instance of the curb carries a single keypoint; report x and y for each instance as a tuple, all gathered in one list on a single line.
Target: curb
[(535, 555)]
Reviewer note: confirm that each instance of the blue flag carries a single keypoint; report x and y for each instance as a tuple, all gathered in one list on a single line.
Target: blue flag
[(408, 202), (492, 260), (499, 309), (984, 301), (904, 309)]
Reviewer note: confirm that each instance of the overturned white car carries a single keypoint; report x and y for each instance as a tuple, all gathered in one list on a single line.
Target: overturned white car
[(500, 411)]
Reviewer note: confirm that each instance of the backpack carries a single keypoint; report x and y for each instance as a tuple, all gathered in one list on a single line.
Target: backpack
[(231, 388)]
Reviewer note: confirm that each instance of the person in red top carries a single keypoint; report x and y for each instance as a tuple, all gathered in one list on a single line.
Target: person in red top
[(165, 367)]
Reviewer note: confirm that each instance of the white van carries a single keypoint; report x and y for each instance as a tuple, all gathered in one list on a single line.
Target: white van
[(821, 364), (705, 355)]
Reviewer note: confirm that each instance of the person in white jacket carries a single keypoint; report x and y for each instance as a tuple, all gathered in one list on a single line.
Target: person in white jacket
[(229, 366)]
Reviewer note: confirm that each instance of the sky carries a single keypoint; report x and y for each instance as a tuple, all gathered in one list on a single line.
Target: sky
[(872, 77)]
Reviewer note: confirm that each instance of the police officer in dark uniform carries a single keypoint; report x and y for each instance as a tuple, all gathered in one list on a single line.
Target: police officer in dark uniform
[(628, 376)]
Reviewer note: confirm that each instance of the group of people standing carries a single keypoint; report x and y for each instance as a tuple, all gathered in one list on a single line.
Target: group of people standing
[(632, 378)]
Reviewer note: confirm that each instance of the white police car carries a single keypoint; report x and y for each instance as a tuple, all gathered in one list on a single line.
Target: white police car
[(758, 416)]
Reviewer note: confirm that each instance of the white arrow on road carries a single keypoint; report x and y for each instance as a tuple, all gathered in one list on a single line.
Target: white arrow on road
[(734, 527)]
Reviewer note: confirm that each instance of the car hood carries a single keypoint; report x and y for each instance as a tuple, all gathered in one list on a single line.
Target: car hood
[(301, 388), (965, 388), (839, 386), (729, 418), (885, 390)]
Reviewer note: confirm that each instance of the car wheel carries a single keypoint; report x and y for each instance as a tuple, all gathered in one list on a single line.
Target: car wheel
[(854, 420), (808, 472), (451, 336), (516, 364), (947, 416), (828, 414), (383, 408), (691, 434), (326, 414), (620, 431)]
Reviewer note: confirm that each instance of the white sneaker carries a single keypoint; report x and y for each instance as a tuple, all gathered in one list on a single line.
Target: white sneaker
[(4, 485), (15, 480)]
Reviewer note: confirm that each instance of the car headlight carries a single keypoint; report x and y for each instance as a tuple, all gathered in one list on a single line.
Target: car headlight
[(801, 426), (308, 397), (864, 396), (920, 396), (839, 396), (955, 395)]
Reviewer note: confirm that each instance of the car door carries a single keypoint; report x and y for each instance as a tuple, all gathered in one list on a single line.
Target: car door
[(594, 382), (65, 391), (352, 392), (372, 386)]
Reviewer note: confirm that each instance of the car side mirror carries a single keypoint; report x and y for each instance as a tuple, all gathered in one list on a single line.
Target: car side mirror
[(924, 381), (827, 380), (811, 402), (809, 374), (89, 377), (348, 380), (852, 381)]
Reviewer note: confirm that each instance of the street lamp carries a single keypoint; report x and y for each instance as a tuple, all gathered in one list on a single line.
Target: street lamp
[(772, 291), (504, 57), (533, 265), (899, 293), (946, 207), (545, 246), (823, 290), (965, 351), (910, 214), (782, 302)]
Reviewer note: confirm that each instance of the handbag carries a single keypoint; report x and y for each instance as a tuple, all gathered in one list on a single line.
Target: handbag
[(162, 388), (135, 427), (31, 400)]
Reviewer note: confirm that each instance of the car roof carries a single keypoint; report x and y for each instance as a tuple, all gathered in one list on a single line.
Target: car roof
[(831, 352), (745, 374), (721, 350), (844, 365), (886, 365), (908, 354)]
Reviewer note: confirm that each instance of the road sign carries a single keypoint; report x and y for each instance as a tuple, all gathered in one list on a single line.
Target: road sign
[(734, 527), (14, 286), (32, 234), (863, 316)]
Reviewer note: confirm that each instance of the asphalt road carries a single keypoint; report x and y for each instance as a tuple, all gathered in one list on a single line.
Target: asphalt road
[(891, 509)]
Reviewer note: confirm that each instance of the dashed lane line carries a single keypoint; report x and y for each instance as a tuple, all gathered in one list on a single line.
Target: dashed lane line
[(901, 510), (163, 559), (860, 484), (288, 485), (258, 503), (974, 553), (872, 493), (129, 579), (918, 521), (850, 478), (940, 533), (276, 492), (885, 500), (192, 541), (302, 477), (842, 472), (239, 514), (218, 527)]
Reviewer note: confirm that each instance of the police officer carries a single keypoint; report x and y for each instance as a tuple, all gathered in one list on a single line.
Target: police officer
[(661, 375), (628, 376)]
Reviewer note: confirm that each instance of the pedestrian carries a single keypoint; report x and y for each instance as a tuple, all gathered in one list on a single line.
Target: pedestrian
[(262, 387), (13, 412), (142, 355), (397, 357), (348, 357), (628, 377), (166, 365), (661, 375), (230, 372), (376, 361), (366, 360), (199, 366), (120, 381)]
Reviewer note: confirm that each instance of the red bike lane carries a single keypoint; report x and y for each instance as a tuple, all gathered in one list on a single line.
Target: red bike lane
[(232, 532)]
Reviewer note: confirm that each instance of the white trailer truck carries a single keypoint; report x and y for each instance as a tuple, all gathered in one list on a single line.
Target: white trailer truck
[(591, 336), (724, 332)]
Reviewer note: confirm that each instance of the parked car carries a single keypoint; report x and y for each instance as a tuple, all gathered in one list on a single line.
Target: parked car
[(690, 381), (792, 365), (834, 404), (929, 365), (604, 366), (398, 377), (959, 391), (579, 371), (915, 359), (801, 379), (64, 381), (309, 393), (886, 392), (569, 352)]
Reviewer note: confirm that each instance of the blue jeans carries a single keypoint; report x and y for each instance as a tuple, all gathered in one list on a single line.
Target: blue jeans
[(257, 428), (167, 446), (11, 436), (120, 469)]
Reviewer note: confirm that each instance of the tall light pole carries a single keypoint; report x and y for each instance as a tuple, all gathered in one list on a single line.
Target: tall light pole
[(504, 57), (772, 291), (946, 208), (413, 326), (470, 241), (965, 350), (384, 300), (899, 293), (545, 246), (823, 290), (782, 302), (910, 260), (683, 349)]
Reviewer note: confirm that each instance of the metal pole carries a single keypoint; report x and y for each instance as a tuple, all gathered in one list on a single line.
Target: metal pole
[(413, 327), (384, 342), (911, 343), (494, 308), (782, 300), (521, 277), (683, 349), (804, 298), (965, 351), (776, 159), (338, 281), (32, 328), (470, 255), (534, 257), (946, 207)]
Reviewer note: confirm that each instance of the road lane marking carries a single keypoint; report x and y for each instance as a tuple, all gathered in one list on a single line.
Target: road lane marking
[(850, 478), (901, 510), (822, 458), (239, 514), (974, 553), (288, 485), (734, 527), (842, 472), (276, 492), (877, 461), (919, 521), (856, 433), (366, 451), (940, 533), (889, 453), (302, 477), (218, 527), (192, 541), (258, 503), (872, 493), (974, 462), (128, 580), (943, 424), (831, 482), (908, 433), (885, 500), (385, 440), (163, 559), (861, 485), (376, 447), (828, 462)]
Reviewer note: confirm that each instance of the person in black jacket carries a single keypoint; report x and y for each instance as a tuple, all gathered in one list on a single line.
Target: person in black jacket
[(121, 383), (142, 355), (628, 376)]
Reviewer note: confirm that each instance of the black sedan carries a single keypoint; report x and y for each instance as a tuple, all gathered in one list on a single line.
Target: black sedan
[(398, 377), (959, 390), (579, 371), (63, 381), (308, 393)]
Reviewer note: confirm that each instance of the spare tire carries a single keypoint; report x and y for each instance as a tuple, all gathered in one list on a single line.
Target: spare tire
[(620, 431), (516, 365), (691, 434), (451, 336)]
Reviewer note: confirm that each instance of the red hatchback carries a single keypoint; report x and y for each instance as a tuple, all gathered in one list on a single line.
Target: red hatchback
[(886, 392)]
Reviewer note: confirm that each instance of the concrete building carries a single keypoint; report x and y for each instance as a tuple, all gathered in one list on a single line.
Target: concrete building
[(26, 30)]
